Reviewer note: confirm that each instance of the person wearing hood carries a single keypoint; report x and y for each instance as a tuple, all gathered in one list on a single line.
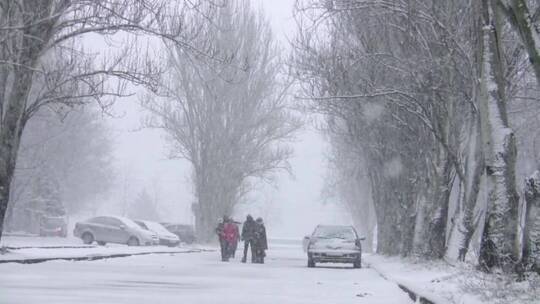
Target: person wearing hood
[(221, 236), (248, 235), (260, 241)]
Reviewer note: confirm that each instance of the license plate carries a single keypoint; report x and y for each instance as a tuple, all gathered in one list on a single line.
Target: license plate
[(334, 254)]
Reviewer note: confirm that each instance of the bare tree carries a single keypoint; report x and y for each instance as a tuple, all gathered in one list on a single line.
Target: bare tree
[(396, 67), (41, 62), (442, 75), (74, 149), (499, 244), (524, 17), (348, 180), (143, 207), (229, 118)]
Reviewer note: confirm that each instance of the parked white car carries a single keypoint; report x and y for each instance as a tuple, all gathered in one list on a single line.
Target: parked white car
[(165, 236), (114, 229), (334, 244)]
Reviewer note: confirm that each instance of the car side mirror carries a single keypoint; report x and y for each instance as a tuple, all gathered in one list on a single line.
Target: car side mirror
[(358, 242), (362, 238)]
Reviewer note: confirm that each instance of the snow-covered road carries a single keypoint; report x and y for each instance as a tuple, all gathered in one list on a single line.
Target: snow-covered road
[(195, 278)]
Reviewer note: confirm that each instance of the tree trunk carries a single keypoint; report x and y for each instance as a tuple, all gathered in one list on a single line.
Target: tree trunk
[(531, 237), (464, 221), (388, 235), (12, 126), (34, 38), (216, 193), (420, 226), (498, 246), (436, 228), (405, 217), (431, 218)]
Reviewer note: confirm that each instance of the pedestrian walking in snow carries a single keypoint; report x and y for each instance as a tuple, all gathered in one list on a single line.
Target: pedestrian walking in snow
[(235, 244), (230, 234), (221, 237), (248, 234), (260, 241)]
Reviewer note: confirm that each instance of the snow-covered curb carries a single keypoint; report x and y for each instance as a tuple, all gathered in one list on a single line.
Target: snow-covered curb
[(49, 247), (441, 283), (436, 283), (414, 293), (38, 255)]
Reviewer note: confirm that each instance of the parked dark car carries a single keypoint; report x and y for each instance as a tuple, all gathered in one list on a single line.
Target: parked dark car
[(185, 233), (114, 229), (53, 220), (53, 226), (40, 216), (334, 244)]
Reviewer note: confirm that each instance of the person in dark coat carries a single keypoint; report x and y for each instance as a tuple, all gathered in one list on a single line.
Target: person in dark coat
[(237, 239), (260, 241), (221, 237), (248, 234)]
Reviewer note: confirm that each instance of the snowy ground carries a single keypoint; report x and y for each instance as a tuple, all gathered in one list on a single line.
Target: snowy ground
[(195, 278), (39, 254), (37, 241), (38, 248), (442, 283)]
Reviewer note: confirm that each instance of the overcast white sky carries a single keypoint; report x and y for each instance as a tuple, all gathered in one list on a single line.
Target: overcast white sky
[(290, 210)]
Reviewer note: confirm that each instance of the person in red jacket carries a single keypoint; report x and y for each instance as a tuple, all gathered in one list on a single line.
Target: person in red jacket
[(230, 235)]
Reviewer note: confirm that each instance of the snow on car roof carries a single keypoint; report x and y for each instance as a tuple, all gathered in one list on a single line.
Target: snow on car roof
[(334, 226)]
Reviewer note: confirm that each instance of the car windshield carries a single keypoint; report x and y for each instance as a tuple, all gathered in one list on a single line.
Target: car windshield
[(156, 228), (128, 222), (334, 232), (141, 224)]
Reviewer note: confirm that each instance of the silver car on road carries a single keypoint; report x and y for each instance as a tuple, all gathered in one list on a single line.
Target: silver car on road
[(114, 229), (334, 244)]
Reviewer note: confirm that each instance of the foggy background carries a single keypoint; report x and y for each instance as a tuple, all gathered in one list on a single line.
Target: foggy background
[(291, 208)]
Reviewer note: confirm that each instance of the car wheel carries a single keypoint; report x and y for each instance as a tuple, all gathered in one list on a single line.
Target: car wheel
[(357, 264), (101, 243), (310, 263), (87, 238), (133, 241)]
